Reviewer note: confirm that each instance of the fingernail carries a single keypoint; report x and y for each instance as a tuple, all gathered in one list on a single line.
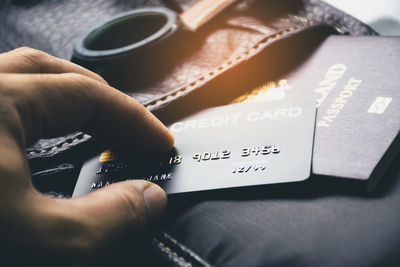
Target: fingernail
[(156, 200)]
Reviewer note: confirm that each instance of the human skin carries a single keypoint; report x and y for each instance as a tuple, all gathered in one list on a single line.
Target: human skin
[(42, 96)]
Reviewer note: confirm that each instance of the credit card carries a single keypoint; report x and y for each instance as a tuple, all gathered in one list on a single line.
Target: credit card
[(238, 145)]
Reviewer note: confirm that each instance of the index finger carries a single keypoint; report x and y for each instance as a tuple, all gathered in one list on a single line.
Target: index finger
[(29, 60), (54, 104)]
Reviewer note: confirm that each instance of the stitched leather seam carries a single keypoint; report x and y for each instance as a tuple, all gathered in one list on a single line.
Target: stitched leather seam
[(227, 64), (175, 254), (54, 148)]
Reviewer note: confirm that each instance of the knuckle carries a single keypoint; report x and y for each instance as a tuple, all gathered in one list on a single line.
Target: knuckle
[(23, 49), (33, 57), (29, 52)]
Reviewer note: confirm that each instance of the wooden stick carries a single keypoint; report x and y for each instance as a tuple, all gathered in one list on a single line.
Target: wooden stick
[(203, 11)]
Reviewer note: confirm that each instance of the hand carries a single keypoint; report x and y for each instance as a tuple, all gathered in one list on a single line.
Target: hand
[(43, 96)]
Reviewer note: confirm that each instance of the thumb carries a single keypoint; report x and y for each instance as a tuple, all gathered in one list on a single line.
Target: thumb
[(111, 222), (116, 215), (128, 207)]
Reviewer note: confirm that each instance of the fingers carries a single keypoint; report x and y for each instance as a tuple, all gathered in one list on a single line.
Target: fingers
[(48, 97), (29, 60), (55, 104)]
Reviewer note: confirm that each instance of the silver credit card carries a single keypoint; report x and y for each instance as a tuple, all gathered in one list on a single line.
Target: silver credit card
[(229, 146)]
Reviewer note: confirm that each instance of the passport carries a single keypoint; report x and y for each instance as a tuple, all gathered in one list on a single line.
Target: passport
[(223, 147), (355, 80), (358, 118)]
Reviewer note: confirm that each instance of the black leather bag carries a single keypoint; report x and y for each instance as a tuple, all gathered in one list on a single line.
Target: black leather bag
[(251, 43)]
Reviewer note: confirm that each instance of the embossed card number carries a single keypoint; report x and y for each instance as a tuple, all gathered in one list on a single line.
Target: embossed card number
[(240, 152), (225, 154)]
